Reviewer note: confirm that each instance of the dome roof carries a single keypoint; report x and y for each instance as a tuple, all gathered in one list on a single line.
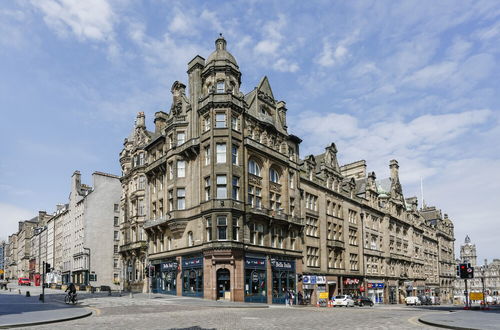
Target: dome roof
[(220, 53)]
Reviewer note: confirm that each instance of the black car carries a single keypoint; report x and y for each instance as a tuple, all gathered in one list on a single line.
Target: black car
[(424, 300), (362, 301)]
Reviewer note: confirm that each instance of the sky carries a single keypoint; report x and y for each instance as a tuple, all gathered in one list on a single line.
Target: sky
[(416, 81)]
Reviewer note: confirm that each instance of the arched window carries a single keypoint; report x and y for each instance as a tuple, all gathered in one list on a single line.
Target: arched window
[(273, 175), (253, 168), (190, 239)]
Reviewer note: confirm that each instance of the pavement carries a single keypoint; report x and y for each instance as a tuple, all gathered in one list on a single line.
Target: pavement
[(464, 319), (18, 310)]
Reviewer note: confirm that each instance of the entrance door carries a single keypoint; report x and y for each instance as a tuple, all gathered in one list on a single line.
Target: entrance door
[(223, 283)]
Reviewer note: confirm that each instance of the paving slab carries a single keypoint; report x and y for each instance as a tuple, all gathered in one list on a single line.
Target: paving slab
[(463, 319), (19, 310)]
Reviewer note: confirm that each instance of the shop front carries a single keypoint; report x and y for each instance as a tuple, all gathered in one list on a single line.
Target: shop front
[(283, 275), (255, 279), (375, 291), (313, 286), (192, 276), (353, 286), (168, 277)]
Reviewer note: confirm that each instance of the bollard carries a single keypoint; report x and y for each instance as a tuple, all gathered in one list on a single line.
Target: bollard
[(10, 289), (19, 291), (41, 297), (28, 294), (109, 292)]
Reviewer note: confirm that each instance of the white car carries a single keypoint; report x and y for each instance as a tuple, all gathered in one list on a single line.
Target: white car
[(412, 300), (344, 300)]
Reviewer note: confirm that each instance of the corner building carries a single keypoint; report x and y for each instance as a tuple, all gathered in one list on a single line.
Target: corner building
[(234, 213)]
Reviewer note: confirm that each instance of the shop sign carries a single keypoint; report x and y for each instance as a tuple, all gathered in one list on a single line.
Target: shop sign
[(375, 285), (476, 296), (255, 263), (282, 264), (308, 287), (192, 262), (170, 265), (321, 279), (306, 279), (351, 281), (313, 279), (323, 295)]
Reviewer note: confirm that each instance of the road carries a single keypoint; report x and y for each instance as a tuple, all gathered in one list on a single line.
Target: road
[(171, 312)]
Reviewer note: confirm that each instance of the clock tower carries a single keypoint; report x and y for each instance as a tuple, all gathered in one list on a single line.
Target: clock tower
[(468, 252)]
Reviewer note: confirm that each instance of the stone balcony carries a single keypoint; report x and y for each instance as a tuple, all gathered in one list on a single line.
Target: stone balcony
[(133, 246)]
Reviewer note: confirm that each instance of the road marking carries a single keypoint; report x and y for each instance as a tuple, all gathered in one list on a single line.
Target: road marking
[(96, 310)]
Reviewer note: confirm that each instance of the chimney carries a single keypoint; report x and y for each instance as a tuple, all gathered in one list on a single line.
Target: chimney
[(393, 165), (141, 120)]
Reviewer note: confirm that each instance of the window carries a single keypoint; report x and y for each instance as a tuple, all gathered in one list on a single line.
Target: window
[(275, 201), (236, 188), (115, 221), (257, 234), (312, 256), (209, 229), (353, 261), (142, 182), (352, 216), (116, 207), (254, 196), (181, 198), (221, 153), (181, 138), (312, 227), (311, 202), (115, 248), (234, 123), (221, 186), (207, 188), (292, 206), (291, 178), (181, 168), (253, 168), (234, 154), (141, 159), (236, 229), (207, 155), (353, 237), (273, 175), (220, 86), (116, 235), (170, 170), (115, 263), (170, 200), (206, 123), (220, 120), (221, 228), (190, 239)]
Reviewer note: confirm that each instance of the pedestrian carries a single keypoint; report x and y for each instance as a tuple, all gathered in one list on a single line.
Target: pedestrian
[(292, 297), (287, 298), (300, 297)]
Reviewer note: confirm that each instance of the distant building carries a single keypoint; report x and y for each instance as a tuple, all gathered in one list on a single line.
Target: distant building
[(89, 232), (489, 272), (3, 250)]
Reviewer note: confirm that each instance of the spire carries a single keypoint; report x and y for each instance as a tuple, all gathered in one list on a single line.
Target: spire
[(467, 239)]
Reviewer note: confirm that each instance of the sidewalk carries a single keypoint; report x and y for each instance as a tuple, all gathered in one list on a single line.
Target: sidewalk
[(464, 319), (18, 310)]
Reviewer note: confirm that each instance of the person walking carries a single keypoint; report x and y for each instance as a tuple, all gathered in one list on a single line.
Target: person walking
[(287, 298), (292, 297)]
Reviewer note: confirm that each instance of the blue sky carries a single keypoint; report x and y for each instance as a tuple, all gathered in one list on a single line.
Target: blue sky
[(412, 80)]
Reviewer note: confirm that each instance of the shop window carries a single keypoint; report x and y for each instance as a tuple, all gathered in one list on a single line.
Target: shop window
[(221, 227)]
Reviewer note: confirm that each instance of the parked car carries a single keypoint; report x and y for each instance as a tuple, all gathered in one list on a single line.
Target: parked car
[(23, 281), (362, 301), (425, 300), (413, 300), (435, 300), (343, 300)]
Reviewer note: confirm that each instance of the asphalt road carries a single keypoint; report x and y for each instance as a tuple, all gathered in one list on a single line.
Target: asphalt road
[(170, 312)]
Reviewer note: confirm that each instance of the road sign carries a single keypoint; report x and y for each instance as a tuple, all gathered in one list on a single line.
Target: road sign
[(1, 271), (476, 296), (323, 295)]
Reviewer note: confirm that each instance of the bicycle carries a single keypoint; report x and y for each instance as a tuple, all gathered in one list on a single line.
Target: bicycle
[(70, 298)]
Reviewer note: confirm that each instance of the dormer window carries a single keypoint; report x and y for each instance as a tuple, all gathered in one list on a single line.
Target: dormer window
[(220, 87)]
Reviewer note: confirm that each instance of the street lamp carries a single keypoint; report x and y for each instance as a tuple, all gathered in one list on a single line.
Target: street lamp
[(88, 271)]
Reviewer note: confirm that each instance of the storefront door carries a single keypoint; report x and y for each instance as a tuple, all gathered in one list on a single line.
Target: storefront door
[(255, 280), (192, 277), (283, 279), (223, 283)]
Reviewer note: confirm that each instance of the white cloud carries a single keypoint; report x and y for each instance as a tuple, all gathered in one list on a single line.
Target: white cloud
[(11, 215), (268, 47), (182, 23), (335, 54), (87, 20), (284, 65)]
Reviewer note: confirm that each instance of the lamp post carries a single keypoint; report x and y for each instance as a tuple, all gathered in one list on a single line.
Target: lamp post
[(483, 270), (88, 271)]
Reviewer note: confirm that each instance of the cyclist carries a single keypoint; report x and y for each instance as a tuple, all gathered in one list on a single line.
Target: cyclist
[(72, 291)]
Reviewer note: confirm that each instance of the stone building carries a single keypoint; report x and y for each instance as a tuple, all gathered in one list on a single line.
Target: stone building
[(234, 213), (11, 257), (38, 250), (487, 272), (90, 232), (24, 267), (133, 242), (3, 255)]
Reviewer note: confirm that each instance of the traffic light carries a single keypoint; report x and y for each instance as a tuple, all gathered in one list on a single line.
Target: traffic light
[(458, 270), (47, 268), (466, 271)]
